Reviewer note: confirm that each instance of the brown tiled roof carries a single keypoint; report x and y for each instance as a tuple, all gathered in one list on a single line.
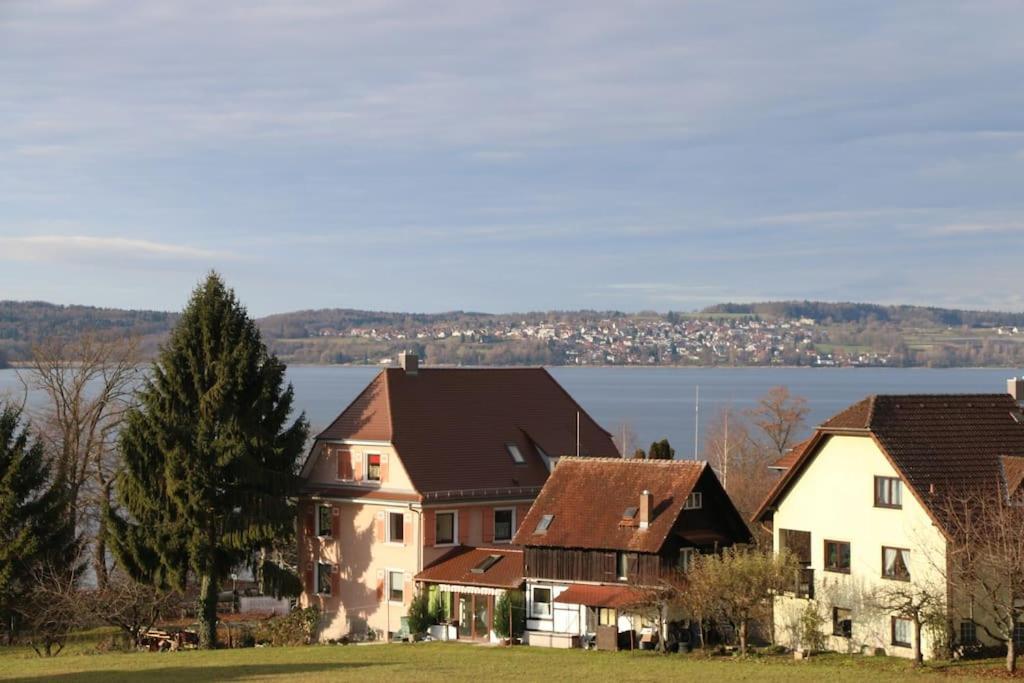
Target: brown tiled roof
[(1013, 473), (450, 426), (600, 596), (939, 443), (791, 456), (456, 567), (587, 498)]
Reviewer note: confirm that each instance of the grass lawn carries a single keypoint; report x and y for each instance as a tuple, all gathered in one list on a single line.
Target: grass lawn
[(453, 661)]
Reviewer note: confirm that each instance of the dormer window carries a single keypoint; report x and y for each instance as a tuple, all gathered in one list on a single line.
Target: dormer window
[(694, 501), (517, 455), (543, 524)]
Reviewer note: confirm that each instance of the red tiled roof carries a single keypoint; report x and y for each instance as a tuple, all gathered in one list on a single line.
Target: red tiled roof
[(940, 443), (600, 596), (456, 567), (1013, 473), (791, 456), (450, 426), (588, 496)]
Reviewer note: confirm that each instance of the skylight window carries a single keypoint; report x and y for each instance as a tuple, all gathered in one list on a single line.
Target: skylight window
[(486, 564), (516, 454), (543, 524), (629, 513)]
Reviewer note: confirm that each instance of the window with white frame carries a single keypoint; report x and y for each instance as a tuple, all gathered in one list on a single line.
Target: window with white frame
[(445, 528), (541, 602), (686, 556), (694, 501), (323, 520), (373, 467), (396, 586), (396, 527), (504, 524), (323, 579)]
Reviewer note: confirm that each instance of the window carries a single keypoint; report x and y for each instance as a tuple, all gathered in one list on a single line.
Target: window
[(396, 586), (516, 454), (968, 633), (323, 520), (694, 501), (543, 524), (323, 579), (444, 527), (686, 556), (606, 616), (842, 622), (901, 631), (798, 543), (541, 602), (837, 556), (888, 492), (373, 467), (396, 527), (1018, 635), (896, 563), (485, 564), (622, 566), (504, 524)]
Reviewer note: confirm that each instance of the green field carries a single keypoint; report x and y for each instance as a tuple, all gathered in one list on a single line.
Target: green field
[(452, 661)]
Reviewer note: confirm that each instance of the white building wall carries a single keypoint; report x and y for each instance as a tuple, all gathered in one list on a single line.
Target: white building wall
[(834, 499)]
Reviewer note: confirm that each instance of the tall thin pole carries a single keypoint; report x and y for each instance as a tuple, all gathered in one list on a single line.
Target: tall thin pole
[(577, 433), (696, 425), (725, 466)]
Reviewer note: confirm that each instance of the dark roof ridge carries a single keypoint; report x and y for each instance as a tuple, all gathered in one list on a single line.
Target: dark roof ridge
[(674, 461)]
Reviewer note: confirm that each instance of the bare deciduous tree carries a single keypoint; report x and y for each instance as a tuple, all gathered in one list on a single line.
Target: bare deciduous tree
[(780, 416), (985, 565), (87, 384), (925, 606)]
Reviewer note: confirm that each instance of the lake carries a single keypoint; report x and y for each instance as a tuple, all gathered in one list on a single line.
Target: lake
[(660, 402)]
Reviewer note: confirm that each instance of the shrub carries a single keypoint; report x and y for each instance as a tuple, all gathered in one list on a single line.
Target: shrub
[(812, 638), (420, 616), (511, 607), (297, 628)]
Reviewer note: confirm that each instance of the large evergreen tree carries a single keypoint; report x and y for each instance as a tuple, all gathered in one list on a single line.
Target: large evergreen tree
[(33, 522), (209, 455)]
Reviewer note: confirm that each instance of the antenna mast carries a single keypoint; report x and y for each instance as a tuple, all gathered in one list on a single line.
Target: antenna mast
[(577, 433), (696, 425)]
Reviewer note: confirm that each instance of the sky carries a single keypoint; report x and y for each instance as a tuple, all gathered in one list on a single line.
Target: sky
[(431, 156)]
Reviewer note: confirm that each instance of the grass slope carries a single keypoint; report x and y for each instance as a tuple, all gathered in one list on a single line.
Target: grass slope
[(451, 661)]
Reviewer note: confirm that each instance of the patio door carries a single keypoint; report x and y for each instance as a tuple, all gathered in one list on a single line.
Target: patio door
[(475, 615)]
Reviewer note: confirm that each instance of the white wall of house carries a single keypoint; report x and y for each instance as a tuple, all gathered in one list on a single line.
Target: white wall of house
[(833, 499)]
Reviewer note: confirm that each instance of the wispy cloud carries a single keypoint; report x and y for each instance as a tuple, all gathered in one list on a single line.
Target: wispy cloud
[(85, 247)]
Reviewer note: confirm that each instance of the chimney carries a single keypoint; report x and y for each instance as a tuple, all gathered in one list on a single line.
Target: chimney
[(1015, 387), (409, 362), (646, 499)]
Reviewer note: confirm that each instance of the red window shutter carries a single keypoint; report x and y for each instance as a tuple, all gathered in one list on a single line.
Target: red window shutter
[(379, 534), (407, 590), (429, 528), (463, 526), (309, 529), (384, 467), (488, 526), (344, 463), (407, 528)]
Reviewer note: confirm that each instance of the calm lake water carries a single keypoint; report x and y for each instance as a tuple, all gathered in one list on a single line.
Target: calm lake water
[(659, 402)]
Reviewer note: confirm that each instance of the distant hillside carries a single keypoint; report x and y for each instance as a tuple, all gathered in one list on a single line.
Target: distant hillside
[(770, 333), (844, 312)]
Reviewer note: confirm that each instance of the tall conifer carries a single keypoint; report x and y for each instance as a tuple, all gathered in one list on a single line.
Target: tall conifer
[(210, 457), (34, 526)]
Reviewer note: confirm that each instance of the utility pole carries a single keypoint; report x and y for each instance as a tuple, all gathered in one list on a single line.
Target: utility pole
[(725, 465), (577, 433)]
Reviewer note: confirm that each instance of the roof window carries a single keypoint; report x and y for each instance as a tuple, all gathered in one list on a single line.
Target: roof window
[(486, 564), (629, 513), (543, 524), (516, 454)]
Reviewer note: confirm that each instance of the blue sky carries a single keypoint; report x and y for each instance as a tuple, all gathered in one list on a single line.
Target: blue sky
[(512, 156)]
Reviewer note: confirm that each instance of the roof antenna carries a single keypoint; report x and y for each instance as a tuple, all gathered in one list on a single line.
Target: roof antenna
[(696, 425), (577, 433)]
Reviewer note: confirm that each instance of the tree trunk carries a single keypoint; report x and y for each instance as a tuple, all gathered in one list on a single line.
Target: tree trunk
[(207, 612), (743, 636), (1011, 655), (918, 655)]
